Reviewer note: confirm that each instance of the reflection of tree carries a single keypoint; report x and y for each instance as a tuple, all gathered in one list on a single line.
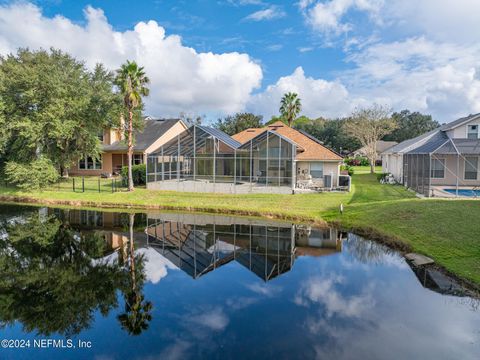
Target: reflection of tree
[(366, 251), (52, 280), (136, 316)]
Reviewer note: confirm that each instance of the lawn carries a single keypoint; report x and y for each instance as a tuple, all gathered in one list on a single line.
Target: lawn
[(446, 230)]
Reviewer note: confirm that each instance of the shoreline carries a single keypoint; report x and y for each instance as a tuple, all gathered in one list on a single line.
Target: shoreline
[(368, 232)]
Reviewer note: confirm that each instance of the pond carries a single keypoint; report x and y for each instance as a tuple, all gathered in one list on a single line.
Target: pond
[(193, 286)]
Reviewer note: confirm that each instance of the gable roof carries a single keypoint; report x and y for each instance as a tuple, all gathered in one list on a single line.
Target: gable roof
[(310, 147), (459, 122), (381, 146), (152, 130)]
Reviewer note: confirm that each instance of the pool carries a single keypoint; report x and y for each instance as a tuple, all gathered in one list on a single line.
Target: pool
[(197, 286), (464, 192)]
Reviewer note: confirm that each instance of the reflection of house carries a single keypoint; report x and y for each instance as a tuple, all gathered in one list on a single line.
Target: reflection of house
[(447, 157), (275, 158), (114, 147), (201, 243)]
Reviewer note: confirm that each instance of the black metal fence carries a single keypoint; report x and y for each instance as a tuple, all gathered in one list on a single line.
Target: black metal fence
[(90, 184)]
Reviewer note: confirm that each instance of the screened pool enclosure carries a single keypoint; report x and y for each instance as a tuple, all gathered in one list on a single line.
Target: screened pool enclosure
[(205, 159)]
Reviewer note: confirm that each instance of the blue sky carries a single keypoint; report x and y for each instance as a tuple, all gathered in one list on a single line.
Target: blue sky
[(216, 57)]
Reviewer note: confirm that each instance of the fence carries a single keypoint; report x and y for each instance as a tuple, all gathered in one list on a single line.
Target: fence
[(90, 184)]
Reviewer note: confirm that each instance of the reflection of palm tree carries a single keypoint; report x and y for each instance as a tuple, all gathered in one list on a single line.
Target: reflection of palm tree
[(137, 315)]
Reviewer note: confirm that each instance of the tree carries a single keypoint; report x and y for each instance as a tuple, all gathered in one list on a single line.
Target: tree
[(369, 125), (331, 132), (240, 121), (411, 125), (290, 107), (131, 80), (55, 107)]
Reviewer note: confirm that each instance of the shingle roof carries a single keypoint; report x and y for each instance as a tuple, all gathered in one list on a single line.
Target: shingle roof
[(381, 146), (152, 130), (461, 121), (311, 149)]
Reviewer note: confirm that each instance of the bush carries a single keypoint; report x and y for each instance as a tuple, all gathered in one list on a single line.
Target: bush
[(37, 175), (357, 161), (348, 168), (138, 174), (382, 176)]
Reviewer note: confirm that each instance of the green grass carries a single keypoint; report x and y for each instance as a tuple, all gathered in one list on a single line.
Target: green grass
[(446, 230), (366, 169)]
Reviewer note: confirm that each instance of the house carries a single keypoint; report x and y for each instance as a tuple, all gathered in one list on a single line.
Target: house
[(114, 147), (381, 146), (272, 159), (439, 162)]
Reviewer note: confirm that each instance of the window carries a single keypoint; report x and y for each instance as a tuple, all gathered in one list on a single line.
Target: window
[(316, 170), (100, 136), (471, 168), (472, 132), (90, 163), (137, 159), (438, 169)]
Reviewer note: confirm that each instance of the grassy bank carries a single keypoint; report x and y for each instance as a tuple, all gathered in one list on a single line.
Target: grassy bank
[(446, 230)]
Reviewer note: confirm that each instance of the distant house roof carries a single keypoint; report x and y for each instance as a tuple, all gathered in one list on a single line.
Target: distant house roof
[(310, 148), (152, 130), (381, 147)]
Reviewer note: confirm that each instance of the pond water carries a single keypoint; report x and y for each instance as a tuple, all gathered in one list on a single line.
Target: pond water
[(215, 287)]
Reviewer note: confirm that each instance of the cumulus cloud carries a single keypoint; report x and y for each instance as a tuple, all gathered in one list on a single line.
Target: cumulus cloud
[(182, 79), (270, 13), (319, 97)]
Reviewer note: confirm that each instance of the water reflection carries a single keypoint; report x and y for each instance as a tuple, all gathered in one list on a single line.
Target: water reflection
[(198, 244), (204, 286)]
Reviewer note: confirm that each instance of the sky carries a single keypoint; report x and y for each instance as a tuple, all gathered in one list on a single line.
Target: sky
[(216, 57)]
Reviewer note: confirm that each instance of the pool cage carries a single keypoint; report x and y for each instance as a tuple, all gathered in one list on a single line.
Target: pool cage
[(204, 159), (442, 162)]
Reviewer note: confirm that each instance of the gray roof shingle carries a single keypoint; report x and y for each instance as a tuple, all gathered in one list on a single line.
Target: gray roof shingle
[(153, 129)]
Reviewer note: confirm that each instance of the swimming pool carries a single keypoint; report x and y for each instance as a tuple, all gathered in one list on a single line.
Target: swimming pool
[(464, 192)]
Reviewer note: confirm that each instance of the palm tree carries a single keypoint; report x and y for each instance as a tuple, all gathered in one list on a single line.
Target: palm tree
[(290, 107), (132, 81)]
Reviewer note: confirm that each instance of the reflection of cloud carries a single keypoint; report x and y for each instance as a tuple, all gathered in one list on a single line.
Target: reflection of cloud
[(178, 350), (155, 265), (239, 303), (263, 289), (214, 319), (324, 291)]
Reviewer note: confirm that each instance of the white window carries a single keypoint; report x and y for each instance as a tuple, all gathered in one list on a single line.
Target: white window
[(316, 170), (471, 168), (137, 159), (472, 132), (90, 163), (438, 169)]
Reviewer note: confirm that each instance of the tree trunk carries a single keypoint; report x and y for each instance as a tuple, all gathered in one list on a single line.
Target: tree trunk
[(372, 166), (132, 253), (130, 150)]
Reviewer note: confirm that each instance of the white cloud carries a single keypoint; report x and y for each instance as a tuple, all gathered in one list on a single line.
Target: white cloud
[(181, 78), (319, 97), (214, 319), (270, 13), (328, 16)]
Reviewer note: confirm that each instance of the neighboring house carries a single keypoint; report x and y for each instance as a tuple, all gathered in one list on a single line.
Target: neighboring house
[(114, 155), (445, 157), (275, 158), (381, 146)]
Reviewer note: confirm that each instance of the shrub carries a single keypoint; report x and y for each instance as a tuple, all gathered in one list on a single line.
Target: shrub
[(138, 174), (357, 161), (382, 176), (348, 168), (37, 175)]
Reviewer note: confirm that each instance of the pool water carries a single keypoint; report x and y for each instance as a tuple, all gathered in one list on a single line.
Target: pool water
[(183, 286), (464, 192)]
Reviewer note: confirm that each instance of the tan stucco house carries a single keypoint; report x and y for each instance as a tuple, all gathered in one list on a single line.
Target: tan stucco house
[(155, 133)]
